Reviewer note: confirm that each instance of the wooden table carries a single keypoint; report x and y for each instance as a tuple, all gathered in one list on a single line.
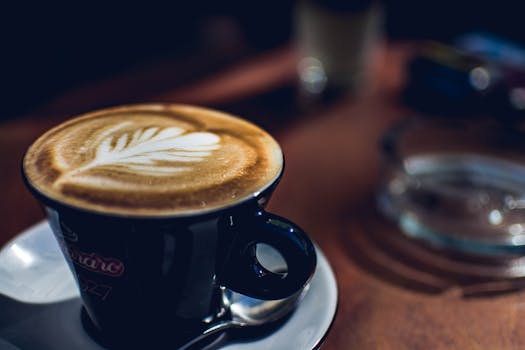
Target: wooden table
[(333, 168)]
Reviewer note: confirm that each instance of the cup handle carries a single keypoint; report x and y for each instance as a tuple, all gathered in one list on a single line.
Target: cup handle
[(244, 274)]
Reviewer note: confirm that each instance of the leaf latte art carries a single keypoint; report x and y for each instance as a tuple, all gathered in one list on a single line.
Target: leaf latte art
[(152, 160), (144, 150)]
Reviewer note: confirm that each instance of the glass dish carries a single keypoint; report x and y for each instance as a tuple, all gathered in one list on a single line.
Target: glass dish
[(456, 184)]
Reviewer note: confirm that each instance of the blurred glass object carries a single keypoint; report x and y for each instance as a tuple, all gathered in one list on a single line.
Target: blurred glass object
[(312, 75), (335, 40), (447, 81), (457, 185), (481, 75), (492, 48)]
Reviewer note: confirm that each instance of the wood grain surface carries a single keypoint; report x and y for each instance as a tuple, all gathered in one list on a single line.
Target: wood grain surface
[(388, 297)]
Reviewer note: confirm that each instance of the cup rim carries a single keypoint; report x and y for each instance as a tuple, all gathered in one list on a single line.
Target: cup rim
[(192, 213)]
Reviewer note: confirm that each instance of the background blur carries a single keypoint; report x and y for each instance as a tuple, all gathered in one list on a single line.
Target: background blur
[(47, 50)]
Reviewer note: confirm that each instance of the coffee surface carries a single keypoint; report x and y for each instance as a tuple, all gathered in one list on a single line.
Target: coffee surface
[(153, 160)]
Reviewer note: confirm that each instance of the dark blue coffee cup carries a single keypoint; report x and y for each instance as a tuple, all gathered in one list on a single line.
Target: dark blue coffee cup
[(159, 280)]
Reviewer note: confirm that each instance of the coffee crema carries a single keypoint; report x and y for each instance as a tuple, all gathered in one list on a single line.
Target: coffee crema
[(153, 159)]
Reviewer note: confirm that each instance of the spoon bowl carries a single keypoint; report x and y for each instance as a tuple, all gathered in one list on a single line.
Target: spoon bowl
[(248, 314)]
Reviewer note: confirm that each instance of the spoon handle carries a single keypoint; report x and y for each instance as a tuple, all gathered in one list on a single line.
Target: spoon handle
[(213, 329)]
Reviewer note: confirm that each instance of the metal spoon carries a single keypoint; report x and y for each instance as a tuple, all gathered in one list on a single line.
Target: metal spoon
[(248, 312)]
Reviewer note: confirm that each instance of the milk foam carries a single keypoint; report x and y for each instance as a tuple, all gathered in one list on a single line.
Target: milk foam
[(153, 159)]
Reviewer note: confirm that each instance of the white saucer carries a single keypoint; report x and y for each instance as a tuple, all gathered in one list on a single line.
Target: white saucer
[(33, 270)]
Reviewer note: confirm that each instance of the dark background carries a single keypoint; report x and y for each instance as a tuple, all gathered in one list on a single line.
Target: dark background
[(48, 49)]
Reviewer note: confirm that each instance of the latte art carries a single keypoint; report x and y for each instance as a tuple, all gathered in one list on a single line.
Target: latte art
[(153, 160), (145, 150)]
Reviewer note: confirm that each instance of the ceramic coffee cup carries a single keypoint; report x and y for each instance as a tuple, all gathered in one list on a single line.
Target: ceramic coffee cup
[(158, 208)]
